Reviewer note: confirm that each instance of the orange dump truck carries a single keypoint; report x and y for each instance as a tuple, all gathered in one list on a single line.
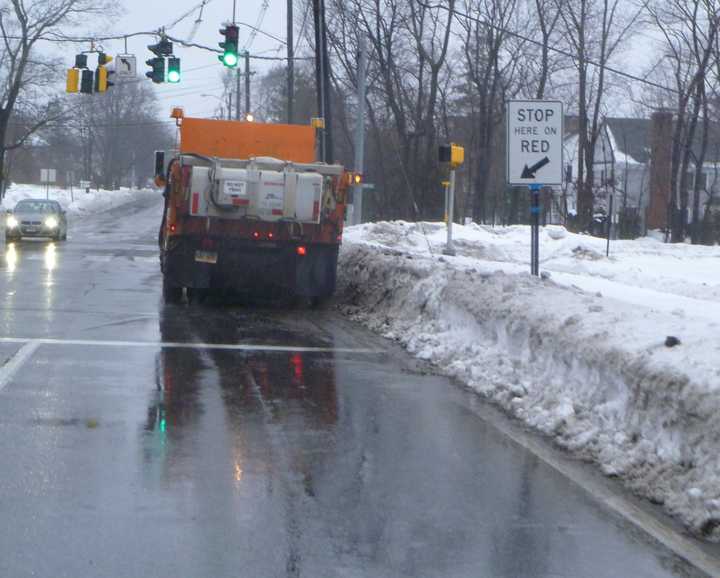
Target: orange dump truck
[(247, 208)]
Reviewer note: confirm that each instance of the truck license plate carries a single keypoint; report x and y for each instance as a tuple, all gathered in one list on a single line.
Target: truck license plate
[(206, 257)]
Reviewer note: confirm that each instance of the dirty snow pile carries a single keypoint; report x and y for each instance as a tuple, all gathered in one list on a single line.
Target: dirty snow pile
[(580, 354), (77, 202)]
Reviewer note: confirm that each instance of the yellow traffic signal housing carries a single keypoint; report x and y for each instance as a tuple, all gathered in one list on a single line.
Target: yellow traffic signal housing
[(457, 155), (101, 79), (73, 80), (452, 154)]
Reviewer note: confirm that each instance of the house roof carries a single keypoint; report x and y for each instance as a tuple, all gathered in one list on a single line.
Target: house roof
[(632, 138)]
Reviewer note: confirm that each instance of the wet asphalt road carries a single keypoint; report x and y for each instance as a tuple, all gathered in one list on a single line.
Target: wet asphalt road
[(318, 453)]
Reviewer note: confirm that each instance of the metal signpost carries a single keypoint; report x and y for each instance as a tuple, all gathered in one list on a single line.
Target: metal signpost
[(47, 176), (534, 155), (453, 155)]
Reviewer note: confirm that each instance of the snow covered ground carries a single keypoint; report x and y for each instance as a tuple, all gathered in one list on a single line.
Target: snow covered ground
[(580, 355), (79, 202)]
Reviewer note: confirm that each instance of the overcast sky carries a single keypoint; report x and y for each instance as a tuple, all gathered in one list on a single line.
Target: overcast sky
[(201, 69)]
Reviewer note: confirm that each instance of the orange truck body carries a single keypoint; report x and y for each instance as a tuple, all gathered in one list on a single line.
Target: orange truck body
[(231, 139), (248, 208)]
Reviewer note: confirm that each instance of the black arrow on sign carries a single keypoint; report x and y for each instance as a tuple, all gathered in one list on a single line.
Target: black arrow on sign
[(529, 173), (126, 62)]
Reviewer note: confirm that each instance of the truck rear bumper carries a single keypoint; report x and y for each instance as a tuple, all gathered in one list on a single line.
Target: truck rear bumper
[(253, 267)]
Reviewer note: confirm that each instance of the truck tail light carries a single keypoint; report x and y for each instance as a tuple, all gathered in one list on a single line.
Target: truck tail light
[(173, 228), (256, 235), (302, 251), (270, 235)]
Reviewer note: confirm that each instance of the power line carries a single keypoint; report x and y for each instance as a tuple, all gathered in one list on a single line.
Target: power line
[(190, 12), (258, 24), (565, 53)]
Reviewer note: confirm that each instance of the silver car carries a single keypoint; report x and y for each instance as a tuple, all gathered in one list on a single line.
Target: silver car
[(36, 218)]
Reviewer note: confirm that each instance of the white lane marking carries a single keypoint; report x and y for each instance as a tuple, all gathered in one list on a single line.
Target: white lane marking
[(187, 345), (8, 371)]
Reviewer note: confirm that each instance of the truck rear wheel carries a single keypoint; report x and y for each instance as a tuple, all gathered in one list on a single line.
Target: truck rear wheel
[(171, 293)]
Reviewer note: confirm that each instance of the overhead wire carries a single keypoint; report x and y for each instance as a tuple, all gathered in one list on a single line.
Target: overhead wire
[(555, 49), (258, 24)]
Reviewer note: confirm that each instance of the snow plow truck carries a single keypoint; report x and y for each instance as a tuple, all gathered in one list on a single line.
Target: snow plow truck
[(249, 209)]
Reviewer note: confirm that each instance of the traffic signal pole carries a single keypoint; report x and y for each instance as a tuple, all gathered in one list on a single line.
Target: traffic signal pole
[(449, 247), (291, 63), (247, 83), (237, 94), (360, 131)]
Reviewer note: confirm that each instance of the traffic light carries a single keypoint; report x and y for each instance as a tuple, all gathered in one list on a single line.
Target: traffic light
[(157, 74), (86, 82), (73, 79), (81, 61), (357, 179), (173, 71), (162, 48), (101, 79), (452, 154), (229, 57), (103, 59)]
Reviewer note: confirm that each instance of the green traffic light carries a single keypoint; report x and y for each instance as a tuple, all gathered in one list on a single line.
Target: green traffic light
[(230, 59), (173, 74)]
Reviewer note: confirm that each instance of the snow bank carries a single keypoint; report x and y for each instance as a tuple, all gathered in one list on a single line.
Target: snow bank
[(77, 203), (580, 356)]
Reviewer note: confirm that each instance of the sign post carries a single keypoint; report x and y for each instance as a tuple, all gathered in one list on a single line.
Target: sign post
[(47, 176), (534, 156), (454, 155)]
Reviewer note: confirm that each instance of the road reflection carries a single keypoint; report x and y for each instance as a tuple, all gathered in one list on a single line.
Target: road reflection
[(11, 258), (15, 252), (256, 392)]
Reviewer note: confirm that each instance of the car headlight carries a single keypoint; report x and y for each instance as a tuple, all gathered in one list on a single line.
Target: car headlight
[(51, 222), (12, 222)]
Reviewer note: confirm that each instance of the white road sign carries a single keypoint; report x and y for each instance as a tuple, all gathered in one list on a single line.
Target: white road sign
[(534, 142), (47, 175), (125, 66)]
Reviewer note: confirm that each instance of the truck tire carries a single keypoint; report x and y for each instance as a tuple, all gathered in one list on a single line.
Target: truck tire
[(171, 293)]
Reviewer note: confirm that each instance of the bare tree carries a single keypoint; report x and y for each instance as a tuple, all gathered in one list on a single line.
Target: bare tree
[(23, 24), (595, 30), (690, 30)]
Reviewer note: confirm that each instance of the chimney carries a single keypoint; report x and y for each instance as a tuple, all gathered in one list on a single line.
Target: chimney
[(661, 135)]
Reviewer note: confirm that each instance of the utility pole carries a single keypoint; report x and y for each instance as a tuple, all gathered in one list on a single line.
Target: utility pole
[(319, 91), (291, 63), (237, 94), (327, 113), (229, 114), (247, 84), (360, 131), (322, 78)]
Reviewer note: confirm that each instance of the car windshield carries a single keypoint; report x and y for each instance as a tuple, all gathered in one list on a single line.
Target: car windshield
[(36, 207)]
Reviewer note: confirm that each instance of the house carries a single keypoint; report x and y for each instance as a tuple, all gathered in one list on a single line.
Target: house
[(632, 164)]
